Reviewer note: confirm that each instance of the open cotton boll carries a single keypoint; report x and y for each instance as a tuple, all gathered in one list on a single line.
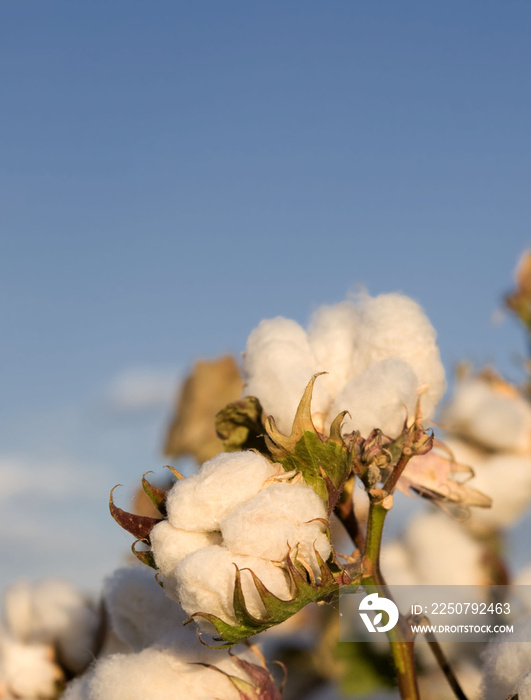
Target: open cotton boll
[(393, 325), (443, 552), (380, 397), (506, 478), (169, 544), (200, 502), (138, 610), (279, 379), (332, 336), (52, 611), (27, 670), (506, 661), (276, 330), (158, 674), (204, 582), (78, 688), (497, 421), (278, 364), (280, 517)]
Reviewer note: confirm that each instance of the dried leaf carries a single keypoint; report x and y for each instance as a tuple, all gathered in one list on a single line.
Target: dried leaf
[(436, 477), (138, 525), (210, 386)]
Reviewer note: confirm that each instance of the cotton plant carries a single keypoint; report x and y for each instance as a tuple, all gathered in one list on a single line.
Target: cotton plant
[(246, 543)]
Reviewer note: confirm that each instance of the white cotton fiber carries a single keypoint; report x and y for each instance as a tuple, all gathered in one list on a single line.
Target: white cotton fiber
[(333, 336), (158, 674), (393, 325), (52, 611), (278, 364), (169, 544), (507, 659), (496, 421), (27, 670), (380, 397), (443, 552), (345, 341), (280, 517), (204, 582), (139, 613), (200, 502), (78, 688), (506, 478), (276, 330)]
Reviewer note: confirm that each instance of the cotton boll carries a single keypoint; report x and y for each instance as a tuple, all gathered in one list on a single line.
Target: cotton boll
[(27, 670), (204, 582), (138, 610), (380, 397), (277, 519), (278, 379), (276, 330), (199, 502), (78, 688), (443, 552), (332, 336), (506, 478), (393, 325), (52, 611), (507, 659), (278, 364), (169, 544), (18, 610), (157, 674), (497, 421)]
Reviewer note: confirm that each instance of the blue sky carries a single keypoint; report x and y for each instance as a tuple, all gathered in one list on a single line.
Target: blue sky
[(173, 172)]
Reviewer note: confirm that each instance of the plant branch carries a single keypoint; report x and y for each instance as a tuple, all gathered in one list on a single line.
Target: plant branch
[(401, 647), (443, 661)]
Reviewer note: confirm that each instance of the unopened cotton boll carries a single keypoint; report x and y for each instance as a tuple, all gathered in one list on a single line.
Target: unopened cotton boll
[(169, 545), (382, 396), (204, 582), (507, 660), (280, 517), (393, 325), (199, 502), (496, 421), (52, 611), (27, 670)]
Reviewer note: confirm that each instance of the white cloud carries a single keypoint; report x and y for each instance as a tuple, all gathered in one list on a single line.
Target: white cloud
[(21, 475), (141, 388)]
